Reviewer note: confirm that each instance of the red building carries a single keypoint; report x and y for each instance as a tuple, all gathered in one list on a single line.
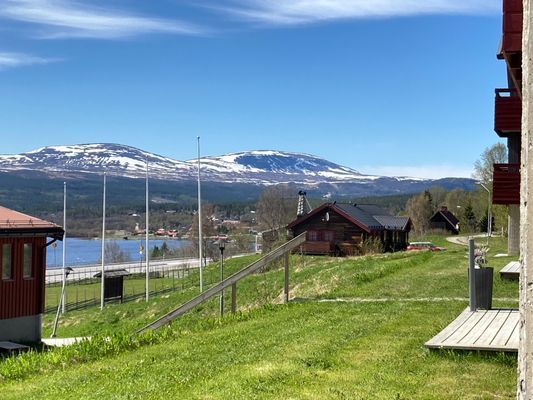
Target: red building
[(23, 242), (508, 119)]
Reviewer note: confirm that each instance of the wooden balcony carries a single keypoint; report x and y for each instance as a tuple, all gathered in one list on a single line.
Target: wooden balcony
[(512, 26), (507, 112), (506, 184)]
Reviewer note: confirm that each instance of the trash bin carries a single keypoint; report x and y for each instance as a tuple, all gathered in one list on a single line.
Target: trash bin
[(484, 287)]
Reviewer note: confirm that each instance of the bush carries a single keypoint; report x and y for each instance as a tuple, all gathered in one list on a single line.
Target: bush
[(372, 246)]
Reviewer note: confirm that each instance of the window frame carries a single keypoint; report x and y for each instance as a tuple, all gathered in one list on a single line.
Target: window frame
[(24, 259), (12, 270)]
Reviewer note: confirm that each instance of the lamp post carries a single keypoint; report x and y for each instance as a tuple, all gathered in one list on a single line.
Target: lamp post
[(489, 213), (221, 247)]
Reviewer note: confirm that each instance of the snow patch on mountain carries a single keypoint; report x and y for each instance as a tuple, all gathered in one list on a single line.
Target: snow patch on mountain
[(260, 167)]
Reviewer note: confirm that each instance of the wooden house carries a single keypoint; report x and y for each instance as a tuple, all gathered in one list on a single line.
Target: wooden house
[(23, 242), (445, 220), (341, 229)]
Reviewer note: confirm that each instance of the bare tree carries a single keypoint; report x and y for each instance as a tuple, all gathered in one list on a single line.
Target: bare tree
[(420, 210), (483, 168), (276, 207)]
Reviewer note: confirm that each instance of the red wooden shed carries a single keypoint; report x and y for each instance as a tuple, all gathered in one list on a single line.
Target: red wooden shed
[(23, 242)]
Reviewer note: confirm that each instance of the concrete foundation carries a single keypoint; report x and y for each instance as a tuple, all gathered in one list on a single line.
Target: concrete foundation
[(513, 240), (23, 329)]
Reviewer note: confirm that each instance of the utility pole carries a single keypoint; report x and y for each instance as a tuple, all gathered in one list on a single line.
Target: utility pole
[(147, 239), (64, 282), (102, 292), (200, 236)]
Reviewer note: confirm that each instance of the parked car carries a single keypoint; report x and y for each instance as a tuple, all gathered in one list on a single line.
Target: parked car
[(414, 246)]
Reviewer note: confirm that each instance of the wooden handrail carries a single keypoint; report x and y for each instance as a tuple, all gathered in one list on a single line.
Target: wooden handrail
[(284, 249)]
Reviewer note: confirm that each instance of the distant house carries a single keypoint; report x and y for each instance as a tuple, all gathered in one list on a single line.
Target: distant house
[(23, 242), (340, 229), (445, 220)]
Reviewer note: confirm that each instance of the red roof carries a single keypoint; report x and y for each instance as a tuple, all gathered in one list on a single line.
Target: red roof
[(11, 220)]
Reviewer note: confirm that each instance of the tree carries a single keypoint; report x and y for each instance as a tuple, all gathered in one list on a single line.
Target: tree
[(420, 210), (483, 168), (469, 220), (276, 207), (114, 254)]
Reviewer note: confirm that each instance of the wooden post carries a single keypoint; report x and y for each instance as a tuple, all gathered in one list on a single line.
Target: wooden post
[(286, 291), (234, 298)]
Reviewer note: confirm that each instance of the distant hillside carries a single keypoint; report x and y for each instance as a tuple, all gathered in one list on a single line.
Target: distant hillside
[(34, 180)]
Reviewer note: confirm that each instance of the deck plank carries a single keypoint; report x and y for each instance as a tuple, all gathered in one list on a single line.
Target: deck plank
[(511, 270), (488, 330)]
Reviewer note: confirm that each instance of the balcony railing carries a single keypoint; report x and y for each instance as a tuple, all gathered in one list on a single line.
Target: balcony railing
[(512, 26), (506, 184), (507, 112)]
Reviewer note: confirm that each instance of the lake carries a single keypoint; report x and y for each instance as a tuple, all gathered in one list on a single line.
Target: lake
[(88, 251)]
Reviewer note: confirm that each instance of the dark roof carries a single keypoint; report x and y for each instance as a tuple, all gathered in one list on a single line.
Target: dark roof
[(114, 273), (367, 216), (452, 219), (392, 223), (363, 213)]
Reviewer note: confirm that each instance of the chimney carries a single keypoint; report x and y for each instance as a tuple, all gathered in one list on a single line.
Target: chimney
[(301, 204)]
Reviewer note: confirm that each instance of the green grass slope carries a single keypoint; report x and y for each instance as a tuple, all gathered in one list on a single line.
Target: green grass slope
[(355, 330)]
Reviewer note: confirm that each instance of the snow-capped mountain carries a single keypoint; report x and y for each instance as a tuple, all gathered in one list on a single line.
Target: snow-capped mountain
[(257, 167)]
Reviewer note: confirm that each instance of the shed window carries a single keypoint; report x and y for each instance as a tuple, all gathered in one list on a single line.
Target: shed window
[(328, 236), (28, 264), (312, 236), (7, 266)]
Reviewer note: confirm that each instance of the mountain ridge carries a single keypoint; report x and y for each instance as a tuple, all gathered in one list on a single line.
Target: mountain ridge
[(254, 166)]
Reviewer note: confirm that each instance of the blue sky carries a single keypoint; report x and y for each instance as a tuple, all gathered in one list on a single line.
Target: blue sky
[(397, 87)]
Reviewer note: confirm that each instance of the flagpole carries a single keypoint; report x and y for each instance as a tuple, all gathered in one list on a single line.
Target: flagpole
[(64, 282), (200, 236), (103, 247), (146, 249)]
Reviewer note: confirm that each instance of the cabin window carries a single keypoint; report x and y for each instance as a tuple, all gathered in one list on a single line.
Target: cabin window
[(7, 265), (328, 236), (312, 236), (28, 258)]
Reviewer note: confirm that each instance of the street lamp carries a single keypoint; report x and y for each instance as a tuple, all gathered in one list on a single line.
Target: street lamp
[(489, 213), (221, 247)]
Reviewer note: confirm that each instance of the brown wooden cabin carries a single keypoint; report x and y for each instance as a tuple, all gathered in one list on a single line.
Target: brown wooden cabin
[(340, 229), (23, 242), (445, 220)]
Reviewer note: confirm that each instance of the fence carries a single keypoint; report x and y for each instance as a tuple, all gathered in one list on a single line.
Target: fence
[(83, 289)]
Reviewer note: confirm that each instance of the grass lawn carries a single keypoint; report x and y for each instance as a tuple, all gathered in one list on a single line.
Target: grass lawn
[(308, 349)]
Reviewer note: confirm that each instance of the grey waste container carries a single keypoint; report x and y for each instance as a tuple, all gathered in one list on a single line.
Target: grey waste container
[(484, 287)]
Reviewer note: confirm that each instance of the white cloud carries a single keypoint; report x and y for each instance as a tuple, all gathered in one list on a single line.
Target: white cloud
[(420, 171), (11, 60), (72, 19), (290, 12)]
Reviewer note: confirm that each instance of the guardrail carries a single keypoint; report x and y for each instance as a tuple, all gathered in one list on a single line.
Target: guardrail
[(282, 251)]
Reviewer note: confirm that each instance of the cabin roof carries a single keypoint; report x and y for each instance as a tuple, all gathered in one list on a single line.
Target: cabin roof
[(14, 222), (367, 216), (448, 216)]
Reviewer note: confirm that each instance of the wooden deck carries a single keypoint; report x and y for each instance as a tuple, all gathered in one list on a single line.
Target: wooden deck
[(487, 330), (511, 270)]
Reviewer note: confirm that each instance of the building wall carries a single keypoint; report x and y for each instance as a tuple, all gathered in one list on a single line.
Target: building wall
[(19, 296)]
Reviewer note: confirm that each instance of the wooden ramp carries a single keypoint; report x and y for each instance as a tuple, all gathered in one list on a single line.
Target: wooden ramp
[(487, 330), (511, 270)]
